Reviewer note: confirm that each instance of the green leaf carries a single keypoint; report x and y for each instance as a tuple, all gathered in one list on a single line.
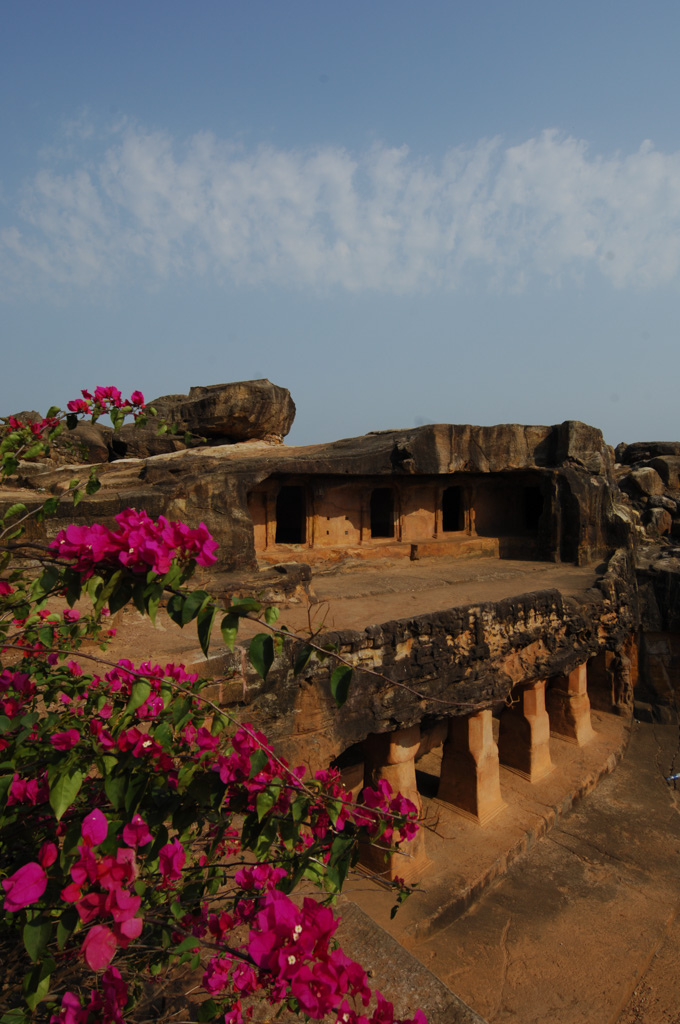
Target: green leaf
[(64, 790), (120, 596), (138, 591), (93, 483), (115, 787), (271, 614), (189, 943), (74, 586), (15, 1016), (175, 608), (340, 683), (35, 449), (105, 593), (264, 802), (48, 580), (206, 617), (244, 606), (302, 658), (261, 653), (5, 783), (36, 936), (219, 724), (50, 506), (152, 597), (140, 691), (181, 710), (37, 983), (258, 759), (229, 630), (207, 1011), (194, 603), (14, 510), (163, 734)]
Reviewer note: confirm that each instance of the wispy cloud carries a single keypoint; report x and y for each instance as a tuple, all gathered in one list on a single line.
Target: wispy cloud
[(149, 208)]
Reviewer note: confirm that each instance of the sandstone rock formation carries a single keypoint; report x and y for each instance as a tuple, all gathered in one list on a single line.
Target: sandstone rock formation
[(250, 409)]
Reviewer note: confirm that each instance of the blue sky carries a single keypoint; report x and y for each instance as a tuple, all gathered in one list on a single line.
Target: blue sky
[(405, 213)]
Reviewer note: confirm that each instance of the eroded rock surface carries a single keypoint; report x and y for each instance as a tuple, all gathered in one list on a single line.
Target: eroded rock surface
[(231, 412)]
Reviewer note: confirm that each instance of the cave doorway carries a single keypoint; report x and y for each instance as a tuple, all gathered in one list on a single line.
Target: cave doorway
[(291, 516), (382, 512), (452, 510)]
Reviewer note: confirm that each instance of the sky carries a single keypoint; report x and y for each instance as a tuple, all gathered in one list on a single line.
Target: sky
[(405, 213)]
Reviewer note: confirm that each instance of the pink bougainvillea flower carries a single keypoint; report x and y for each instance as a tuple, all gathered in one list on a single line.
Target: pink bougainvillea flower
[(48, 854), (99, 947), (78, 405), (94, 828), (137, 832), (65, 740), (172, 858), (137, 398), (24, 887), (72, 1011), (5, 588)]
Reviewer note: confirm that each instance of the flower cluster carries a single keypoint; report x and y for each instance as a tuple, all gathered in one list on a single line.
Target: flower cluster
[(104, 400), (140, 544), (38, 428), (289, 952), (137, 831)]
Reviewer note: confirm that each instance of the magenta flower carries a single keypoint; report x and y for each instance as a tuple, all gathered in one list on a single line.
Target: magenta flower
[(94, 828), (99, 947), (137, 833), (137, 398), (48, 854), (78, 405), (65, 740), (24, 887), (172, 858)]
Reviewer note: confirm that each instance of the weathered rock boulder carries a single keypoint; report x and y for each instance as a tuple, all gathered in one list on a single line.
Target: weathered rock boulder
[(132, 442), (668, 468), (643, 481), (658, 522), (90, 442), (242, 411), (645, 451)]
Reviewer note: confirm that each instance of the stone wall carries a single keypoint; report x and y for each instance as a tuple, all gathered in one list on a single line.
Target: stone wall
[(439, 665)]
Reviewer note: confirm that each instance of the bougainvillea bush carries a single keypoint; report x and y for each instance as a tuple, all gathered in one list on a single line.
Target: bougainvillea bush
[(149, 843)]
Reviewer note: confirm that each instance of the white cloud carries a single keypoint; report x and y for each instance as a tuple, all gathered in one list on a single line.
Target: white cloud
[(147, 208)]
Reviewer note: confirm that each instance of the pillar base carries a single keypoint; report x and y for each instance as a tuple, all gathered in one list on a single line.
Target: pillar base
[(568, 707), (470, 779), (524, 738), (391, 756)]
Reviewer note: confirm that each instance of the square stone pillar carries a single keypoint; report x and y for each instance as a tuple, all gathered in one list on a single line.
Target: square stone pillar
[(391, 756), (524, 738), (470, 775), (569, 708)]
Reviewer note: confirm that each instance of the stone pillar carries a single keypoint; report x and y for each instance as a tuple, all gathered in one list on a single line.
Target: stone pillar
[(470, 776), (391, 756), (524, 738), (569, 708), (601, 681)]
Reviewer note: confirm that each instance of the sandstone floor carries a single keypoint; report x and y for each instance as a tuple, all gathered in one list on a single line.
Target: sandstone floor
[(583, 927)]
